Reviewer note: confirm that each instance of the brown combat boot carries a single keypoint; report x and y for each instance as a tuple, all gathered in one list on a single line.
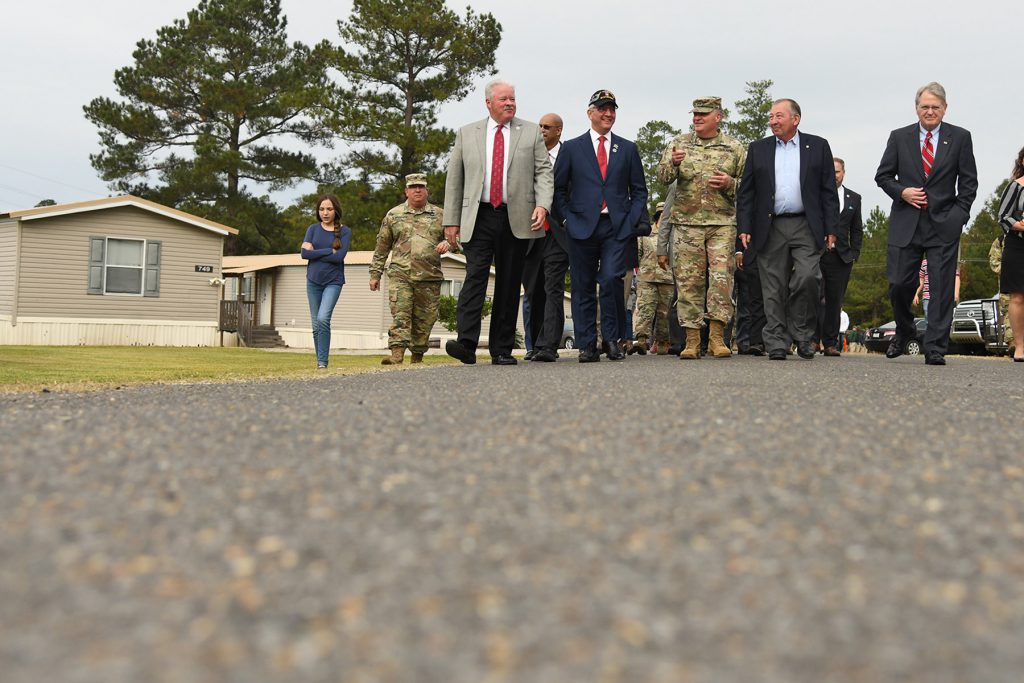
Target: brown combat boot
[(417, 357), (716, 340), (397, 354), (692, 349)]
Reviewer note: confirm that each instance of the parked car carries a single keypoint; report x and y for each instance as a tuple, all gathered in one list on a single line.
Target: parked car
[(568, 335), (878, 338), (977, 327)]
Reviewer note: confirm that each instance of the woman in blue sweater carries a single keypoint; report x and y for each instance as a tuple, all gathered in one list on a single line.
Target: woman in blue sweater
[(325, 246)]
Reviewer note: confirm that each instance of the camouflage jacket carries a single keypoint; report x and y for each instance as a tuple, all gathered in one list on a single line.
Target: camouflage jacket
[(695, 202), (995, 255), (647, 253), (411, 237)]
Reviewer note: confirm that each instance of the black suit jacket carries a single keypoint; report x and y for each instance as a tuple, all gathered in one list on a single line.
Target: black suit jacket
[(951, 186), (851, 227), (755, 200)]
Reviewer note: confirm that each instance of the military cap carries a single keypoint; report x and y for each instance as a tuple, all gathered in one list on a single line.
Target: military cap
[(603, 97), (414, 179), (706, 105)]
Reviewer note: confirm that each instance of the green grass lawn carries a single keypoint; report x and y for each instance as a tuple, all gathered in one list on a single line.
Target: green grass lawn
[(89, 368)]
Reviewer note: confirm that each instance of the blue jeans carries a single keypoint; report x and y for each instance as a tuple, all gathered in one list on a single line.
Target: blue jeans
[(322, 299)]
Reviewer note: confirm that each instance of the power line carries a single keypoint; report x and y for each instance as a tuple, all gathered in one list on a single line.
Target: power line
[(42, 177)]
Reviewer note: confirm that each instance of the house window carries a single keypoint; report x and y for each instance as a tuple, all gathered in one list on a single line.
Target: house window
[(124, 266), (451, 287)]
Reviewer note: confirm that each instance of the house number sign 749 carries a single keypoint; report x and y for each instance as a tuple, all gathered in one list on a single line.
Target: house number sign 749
[(204, 269)]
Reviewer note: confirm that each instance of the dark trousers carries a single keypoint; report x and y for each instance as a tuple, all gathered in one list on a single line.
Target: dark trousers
[(902, 266), (533, 286), (835, 276), (749, 306), (492, 241), (556, 265), (597, 260), (790, 280)]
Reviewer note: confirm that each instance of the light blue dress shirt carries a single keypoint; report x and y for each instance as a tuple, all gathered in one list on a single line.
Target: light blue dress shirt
[(788, 198), (921, 133)]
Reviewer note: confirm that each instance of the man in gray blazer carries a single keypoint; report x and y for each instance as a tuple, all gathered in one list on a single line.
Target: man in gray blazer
[(497, 196)]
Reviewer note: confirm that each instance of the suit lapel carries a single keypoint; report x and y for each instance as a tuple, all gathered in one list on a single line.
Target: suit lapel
[(481, 140), (805, 159), (592, 153), (613, 155), (772, 144), (515, 133), (941, 149), (914, 152)]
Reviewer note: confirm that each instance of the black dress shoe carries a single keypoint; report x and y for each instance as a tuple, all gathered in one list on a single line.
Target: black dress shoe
[(805, 350), (544, 356), (503, 359), (589, 355), (459, 352), (531, 354), (896, 348), (777, 354), (934, 358), (755, 350), (613, 351)]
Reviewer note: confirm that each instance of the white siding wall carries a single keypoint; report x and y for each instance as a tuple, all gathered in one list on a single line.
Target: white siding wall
[(55, 268), (8, 264)]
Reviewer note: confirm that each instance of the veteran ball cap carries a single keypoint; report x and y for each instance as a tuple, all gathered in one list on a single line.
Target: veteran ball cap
[(414, 179), (660, 207), (603, 97), (706, 105)]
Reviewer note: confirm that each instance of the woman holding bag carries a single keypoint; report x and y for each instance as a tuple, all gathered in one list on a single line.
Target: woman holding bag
[(1011, 275)]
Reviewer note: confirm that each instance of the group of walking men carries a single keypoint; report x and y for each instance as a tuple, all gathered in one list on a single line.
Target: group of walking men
[(776, 213)]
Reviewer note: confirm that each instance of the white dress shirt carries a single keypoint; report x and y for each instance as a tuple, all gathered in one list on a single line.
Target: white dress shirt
[(485, 194), (842, 199)]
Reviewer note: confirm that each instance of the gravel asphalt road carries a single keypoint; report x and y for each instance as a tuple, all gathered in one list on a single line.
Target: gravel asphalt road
[(853, 520)]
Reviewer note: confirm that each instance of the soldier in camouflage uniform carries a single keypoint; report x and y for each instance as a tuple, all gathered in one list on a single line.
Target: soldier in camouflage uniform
[(654, 292), (705, 166), (995, 262), (412, 234)]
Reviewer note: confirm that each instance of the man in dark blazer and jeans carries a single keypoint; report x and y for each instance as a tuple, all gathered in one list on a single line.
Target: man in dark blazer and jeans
[(788, 209), (600, 196), (929, 171)]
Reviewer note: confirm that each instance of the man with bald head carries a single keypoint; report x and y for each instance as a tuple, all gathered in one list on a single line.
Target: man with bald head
[(549, 286)]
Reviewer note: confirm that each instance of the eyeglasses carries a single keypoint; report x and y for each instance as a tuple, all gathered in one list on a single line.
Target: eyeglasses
[(545, 126), (929, 107)]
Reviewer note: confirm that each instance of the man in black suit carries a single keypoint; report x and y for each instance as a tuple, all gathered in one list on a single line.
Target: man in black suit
[(788, 209), (929, 171), (837, 262), (549, 284), (600, 195)]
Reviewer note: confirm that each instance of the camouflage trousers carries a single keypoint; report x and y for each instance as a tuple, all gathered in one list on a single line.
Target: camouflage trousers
[(1004, 315), (414, 308), (652, 302), (703, 262)]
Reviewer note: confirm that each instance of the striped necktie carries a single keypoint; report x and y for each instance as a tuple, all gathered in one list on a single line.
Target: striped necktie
[(927, 154)]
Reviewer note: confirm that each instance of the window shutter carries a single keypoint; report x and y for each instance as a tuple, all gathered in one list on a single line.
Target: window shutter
[(97, 247), (152, 282)]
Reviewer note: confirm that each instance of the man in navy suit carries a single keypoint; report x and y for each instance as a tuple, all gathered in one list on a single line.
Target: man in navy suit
[(929, 171), (788, 209), (600, 195)]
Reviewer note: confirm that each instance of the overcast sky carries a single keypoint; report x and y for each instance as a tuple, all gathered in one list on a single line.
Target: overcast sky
[(853, 67)]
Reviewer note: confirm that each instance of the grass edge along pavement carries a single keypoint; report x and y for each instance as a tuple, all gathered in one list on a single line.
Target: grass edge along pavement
[(26, 369)]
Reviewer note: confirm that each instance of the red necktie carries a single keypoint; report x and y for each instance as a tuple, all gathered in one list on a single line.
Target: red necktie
[(602, 162), (497, 168), (927, 154)]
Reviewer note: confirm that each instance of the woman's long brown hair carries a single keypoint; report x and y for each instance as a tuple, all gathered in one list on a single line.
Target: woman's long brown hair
[(337, 217)]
